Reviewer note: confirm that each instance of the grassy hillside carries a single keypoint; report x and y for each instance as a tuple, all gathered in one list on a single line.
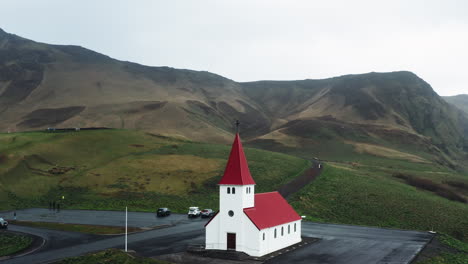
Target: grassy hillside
[(110, 169), (460, 101), (373, 195)]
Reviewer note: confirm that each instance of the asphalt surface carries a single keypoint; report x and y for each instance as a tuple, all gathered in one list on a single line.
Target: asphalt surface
[(356, 244), (88, 217), (338, 244)]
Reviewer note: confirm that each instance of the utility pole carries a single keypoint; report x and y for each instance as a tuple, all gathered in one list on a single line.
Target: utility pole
[(126, 219)]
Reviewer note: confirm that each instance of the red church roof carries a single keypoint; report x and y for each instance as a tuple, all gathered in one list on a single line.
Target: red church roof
[(271, 209), (237, 171)]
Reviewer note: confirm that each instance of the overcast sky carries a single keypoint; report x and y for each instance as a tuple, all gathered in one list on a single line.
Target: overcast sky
[(262, 40)]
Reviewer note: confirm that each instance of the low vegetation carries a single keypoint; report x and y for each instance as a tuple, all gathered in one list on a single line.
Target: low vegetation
[(112, 169), (11, 243), (449, 250), (89, 229), (367, 196), (113, 256)]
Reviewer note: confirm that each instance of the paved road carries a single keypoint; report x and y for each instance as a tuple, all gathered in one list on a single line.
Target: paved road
[(356, 244), (338, 244), (110, 218), (176, 232)]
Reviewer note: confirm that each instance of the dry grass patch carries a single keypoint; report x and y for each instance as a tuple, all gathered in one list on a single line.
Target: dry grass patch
[(385, 152), (169, 174), (284, 139)]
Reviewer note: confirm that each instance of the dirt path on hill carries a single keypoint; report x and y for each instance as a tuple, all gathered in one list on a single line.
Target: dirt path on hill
[(307, 177)]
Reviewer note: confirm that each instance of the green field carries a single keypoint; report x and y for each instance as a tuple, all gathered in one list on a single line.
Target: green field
[(112, 169), (450, 251), (113, 256), (10, 243)]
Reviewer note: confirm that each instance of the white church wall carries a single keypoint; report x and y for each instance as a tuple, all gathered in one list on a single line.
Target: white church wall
[(251, 240), (271, 244), (212, 238)]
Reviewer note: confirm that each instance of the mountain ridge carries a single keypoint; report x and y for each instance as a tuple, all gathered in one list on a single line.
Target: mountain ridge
[(44, 85)]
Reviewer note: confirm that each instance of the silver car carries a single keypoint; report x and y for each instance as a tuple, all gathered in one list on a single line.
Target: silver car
[(3, 223)]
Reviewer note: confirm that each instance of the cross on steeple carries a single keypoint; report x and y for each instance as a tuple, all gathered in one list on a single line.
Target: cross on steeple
[(237, 126)]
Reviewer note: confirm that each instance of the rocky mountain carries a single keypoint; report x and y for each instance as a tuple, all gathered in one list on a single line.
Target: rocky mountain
[(460, 101), (45, 85), (69, 86)]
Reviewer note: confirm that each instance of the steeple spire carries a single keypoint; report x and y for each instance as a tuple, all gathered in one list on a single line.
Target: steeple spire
[(237, 170)]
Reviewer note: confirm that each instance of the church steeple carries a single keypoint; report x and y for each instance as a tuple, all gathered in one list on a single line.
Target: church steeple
[(237, 170)]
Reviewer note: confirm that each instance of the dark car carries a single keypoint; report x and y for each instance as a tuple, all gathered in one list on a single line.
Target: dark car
[(207, 213), (163, 212)]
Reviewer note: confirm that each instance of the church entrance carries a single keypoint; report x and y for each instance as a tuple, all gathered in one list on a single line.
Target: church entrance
[(231, 241)]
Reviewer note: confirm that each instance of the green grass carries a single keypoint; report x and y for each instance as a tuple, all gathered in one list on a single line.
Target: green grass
[(113, 256), (458, 257), (118, 168), (349, 196), (112, 169), (11, 243), (88, 229)]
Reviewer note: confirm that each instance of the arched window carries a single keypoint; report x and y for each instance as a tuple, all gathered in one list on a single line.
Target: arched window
[(289, 229), (263, 236), (229, 190), (233, 190), (294, 227), (282, 231), (275, 232)]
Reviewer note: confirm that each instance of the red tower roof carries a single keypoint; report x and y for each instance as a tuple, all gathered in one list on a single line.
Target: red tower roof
[(237, 171), (271, 209)]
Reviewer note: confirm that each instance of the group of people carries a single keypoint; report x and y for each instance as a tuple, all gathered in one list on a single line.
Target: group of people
[(55, 206)]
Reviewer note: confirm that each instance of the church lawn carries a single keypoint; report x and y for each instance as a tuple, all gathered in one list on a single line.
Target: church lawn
[(113, 256), (11, 243)]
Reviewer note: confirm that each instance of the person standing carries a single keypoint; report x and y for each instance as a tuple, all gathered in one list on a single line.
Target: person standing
[(53, 205), (14, 215)]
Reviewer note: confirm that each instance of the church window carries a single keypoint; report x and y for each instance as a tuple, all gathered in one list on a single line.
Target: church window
[(289, 229), (229, 190), (294, 227), (231, 213), (263, 236), (282, 231), (233, 190), (275, 232)]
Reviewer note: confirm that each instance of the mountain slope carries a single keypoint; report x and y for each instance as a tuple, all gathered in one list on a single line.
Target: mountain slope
[(460, 101), (68, 86), (45, 85), (396, 109)]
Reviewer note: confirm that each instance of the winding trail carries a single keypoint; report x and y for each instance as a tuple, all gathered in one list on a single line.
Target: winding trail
[(299, 182)]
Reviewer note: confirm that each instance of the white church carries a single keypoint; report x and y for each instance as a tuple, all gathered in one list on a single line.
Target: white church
[(256, 224)]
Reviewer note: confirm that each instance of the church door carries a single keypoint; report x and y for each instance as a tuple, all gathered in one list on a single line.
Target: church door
[(231, 241)]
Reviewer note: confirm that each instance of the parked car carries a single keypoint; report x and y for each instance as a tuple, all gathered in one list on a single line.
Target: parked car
[(193, 212), (3, 223), (163, 212), (207, 213)]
